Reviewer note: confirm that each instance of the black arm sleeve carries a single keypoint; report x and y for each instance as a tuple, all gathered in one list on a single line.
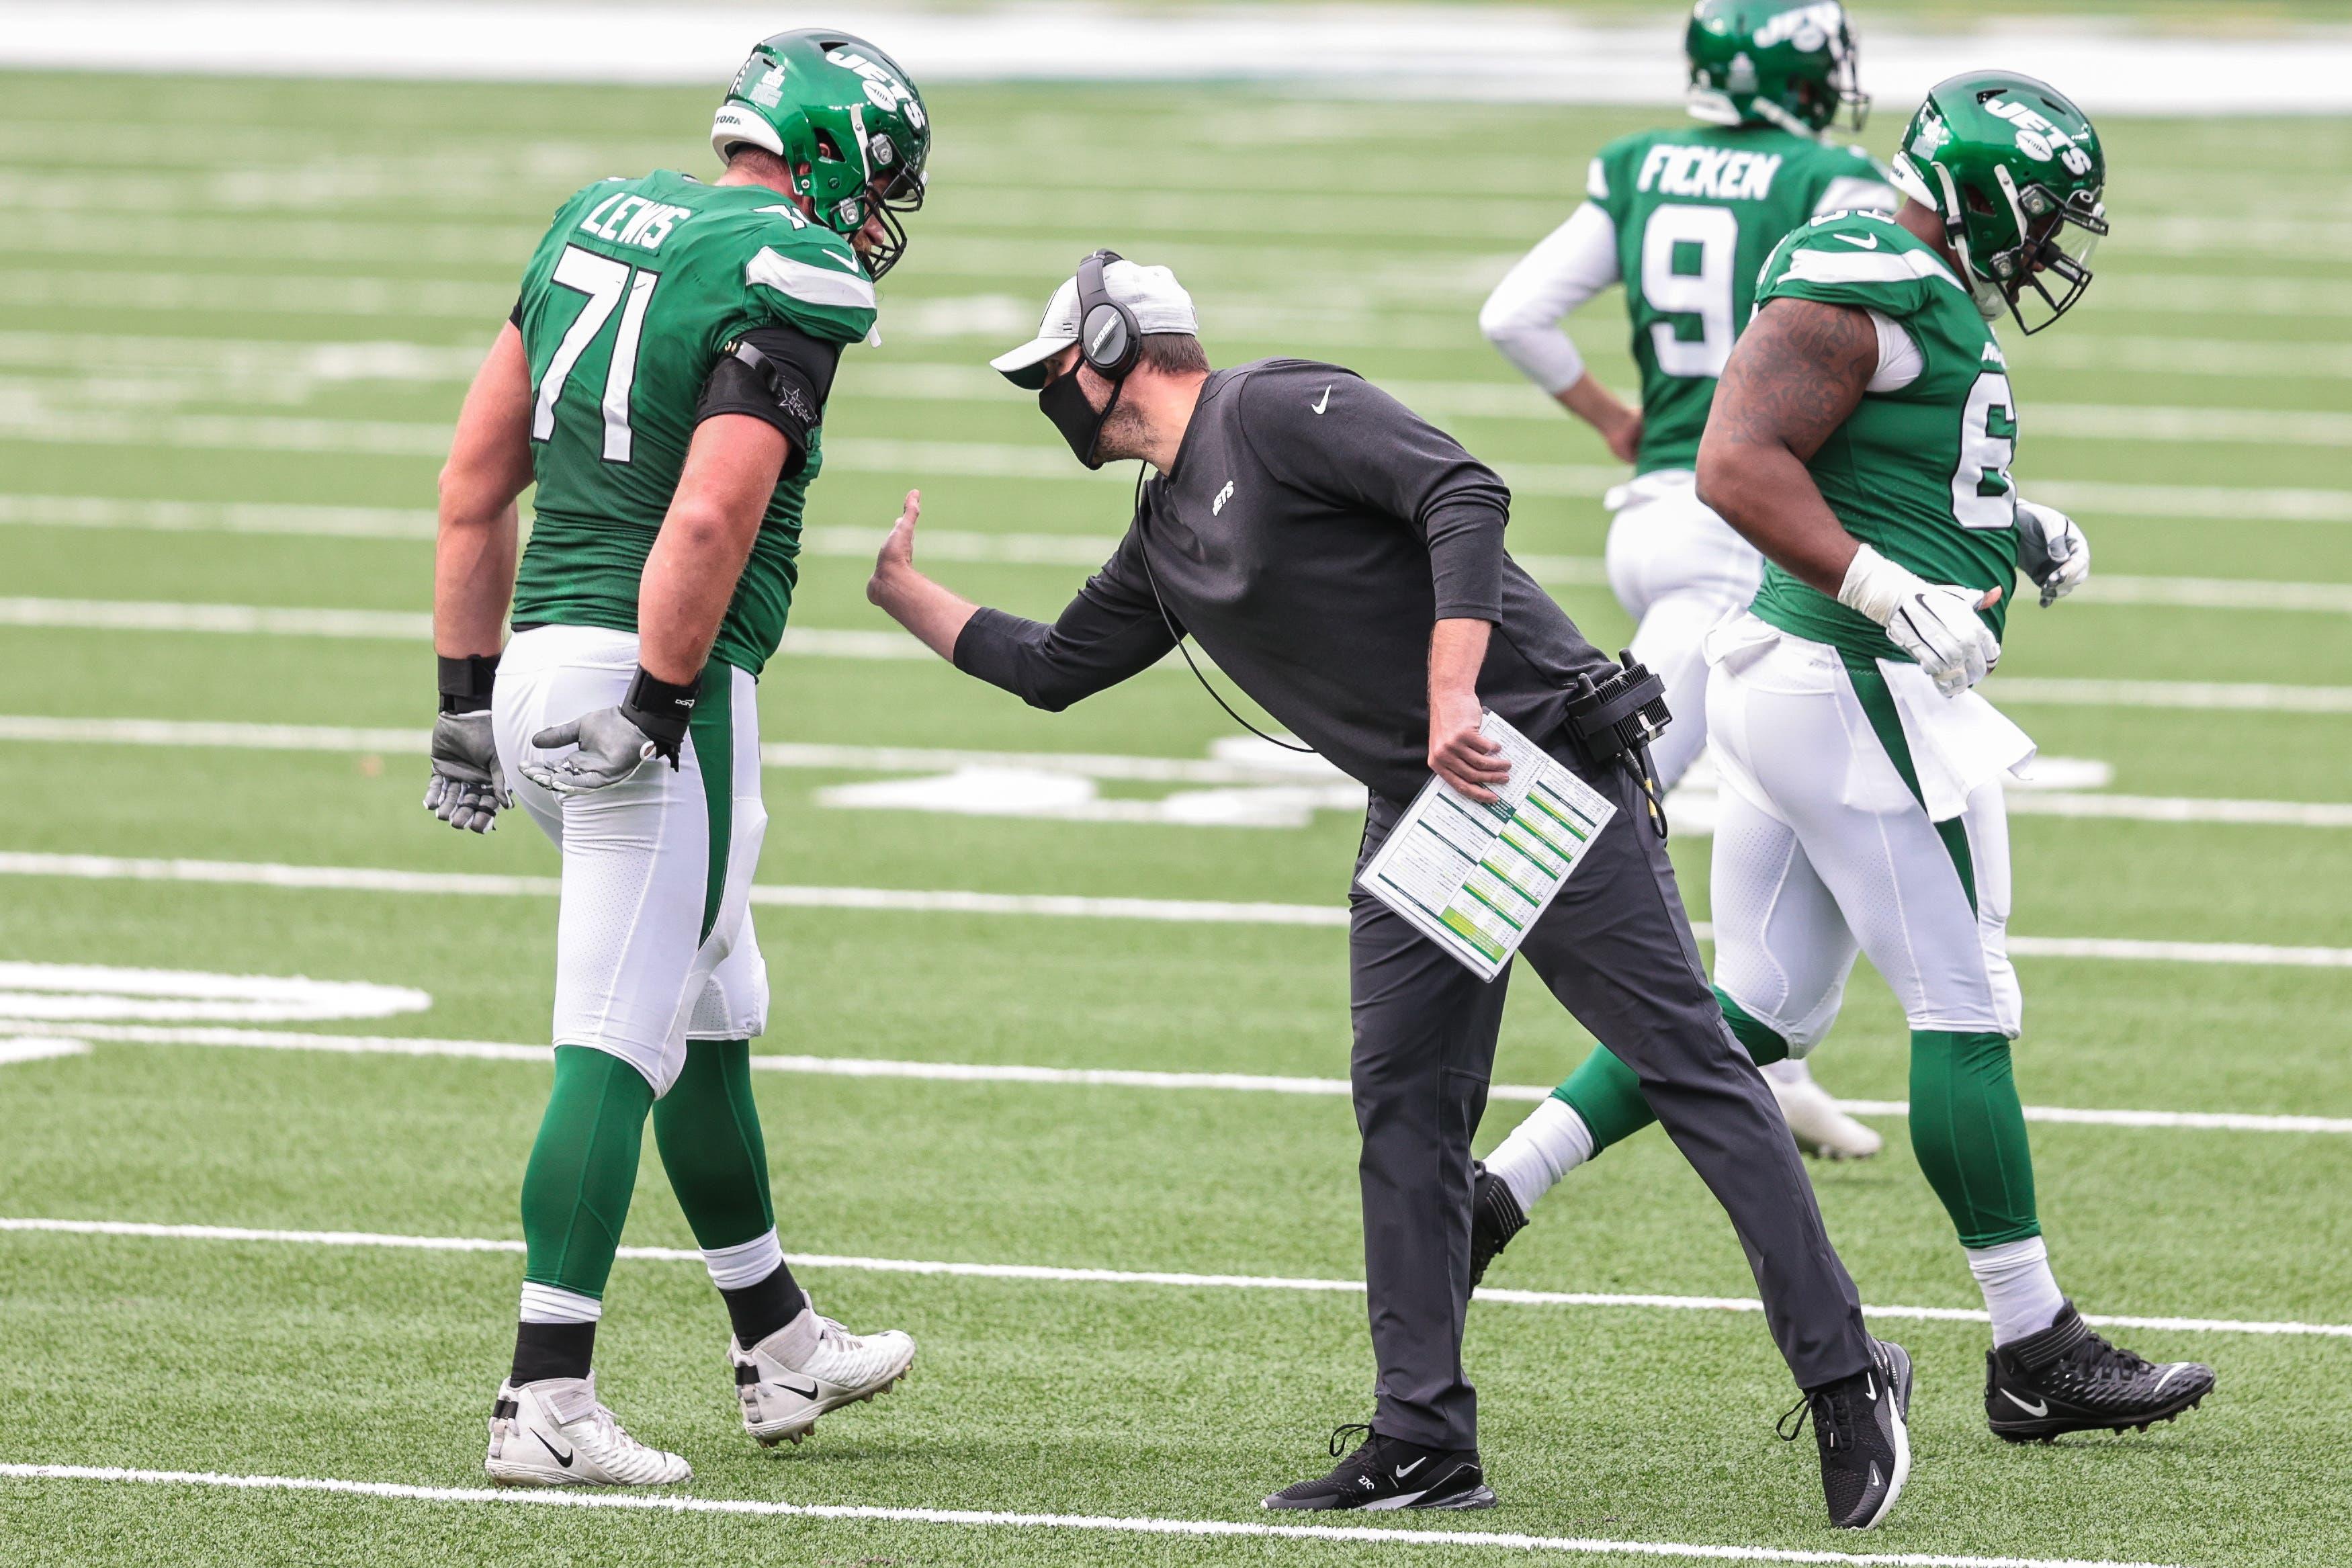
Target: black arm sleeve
[(1362, 448), (780, 374), (1113, 629)]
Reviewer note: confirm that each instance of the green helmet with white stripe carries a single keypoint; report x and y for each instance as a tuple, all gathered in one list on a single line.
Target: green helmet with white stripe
[(845, 118), (1790, 63), (2016, 173)]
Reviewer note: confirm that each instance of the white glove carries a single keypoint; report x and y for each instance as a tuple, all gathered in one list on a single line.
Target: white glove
[(1936, 623), (2052, 550)]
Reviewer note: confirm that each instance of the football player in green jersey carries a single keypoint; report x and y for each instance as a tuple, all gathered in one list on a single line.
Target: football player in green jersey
[(663, 381), (1683, 219), (1862, 438)]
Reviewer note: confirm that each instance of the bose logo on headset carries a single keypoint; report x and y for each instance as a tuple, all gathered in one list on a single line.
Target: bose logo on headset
[(1107, 335)]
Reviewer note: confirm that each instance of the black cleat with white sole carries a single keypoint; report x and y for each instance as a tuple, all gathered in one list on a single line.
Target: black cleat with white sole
[(2068, 1379), (1861, 1425), (1386, 1473), (1494, 1217)]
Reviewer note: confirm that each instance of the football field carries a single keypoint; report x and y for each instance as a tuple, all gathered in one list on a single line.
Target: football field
[(1053, 1073)]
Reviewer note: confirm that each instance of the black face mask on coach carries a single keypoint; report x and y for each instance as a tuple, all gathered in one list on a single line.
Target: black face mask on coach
[(1079, 422)]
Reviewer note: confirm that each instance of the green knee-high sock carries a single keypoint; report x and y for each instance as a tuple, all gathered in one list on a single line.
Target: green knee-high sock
[(1967, 1130), (1607, 1095), (708, 1129), (583, 1166)]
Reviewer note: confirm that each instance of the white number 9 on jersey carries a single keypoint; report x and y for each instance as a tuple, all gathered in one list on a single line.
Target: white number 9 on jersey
[(1706, 294)]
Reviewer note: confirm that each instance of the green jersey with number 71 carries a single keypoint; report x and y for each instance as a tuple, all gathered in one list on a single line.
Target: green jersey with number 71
[(637, 290), (1920, 471)]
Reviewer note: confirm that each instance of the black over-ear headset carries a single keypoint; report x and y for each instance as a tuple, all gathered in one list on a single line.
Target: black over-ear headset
[(1109, 338)]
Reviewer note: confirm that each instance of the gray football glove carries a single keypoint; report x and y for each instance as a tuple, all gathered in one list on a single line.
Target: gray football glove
[(612, 747), (468, 790), (2052, 550)]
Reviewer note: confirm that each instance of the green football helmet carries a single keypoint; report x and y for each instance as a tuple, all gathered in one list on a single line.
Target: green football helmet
[(1789, 63), (2016, 173), (847, 121)]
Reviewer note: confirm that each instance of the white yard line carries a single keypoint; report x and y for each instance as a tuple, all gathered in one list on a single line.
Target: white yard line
[(1089, 1078), (2058, 691), (33, 729), (1048, 1274), (1354, 1535), (1189, 911), (402, 625), (37, 1048)]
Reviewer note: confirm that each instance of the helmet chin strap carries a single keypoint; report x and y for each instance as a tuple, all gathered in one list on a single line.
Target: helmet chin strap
[(1991, 302)]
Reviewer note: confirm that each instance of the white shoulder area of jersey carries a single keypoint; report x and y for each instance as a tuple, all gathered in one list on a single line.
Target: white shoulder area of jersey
[(818, 274), (1596, 181), (1855, 248), (1866, 192)]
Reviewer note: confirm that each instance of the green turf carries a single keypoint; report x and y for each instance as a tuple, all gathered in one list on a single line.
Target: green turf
[(155, 311)]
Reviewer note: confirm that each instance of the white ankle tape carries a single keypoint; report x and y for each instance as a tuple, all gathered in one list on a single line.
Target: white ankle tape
[(554, 1304), (746, 1262)]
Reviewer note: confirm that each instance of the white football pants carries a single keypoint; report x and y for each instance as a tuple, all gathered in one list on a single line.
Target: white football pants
[(653, 945), (1820, 846), (1678, 568)]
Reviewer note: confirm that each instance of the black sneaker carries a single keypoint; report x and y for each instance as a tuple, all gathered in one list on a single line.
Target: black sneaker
[(1494, 1217), (2068, 1379), (1388, 1473), (1865, 1443)]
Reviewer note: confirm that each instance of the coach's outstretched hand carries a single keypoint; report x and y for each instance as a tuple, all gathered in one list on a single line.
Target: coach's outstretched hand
[(468, 790), (612, 747)]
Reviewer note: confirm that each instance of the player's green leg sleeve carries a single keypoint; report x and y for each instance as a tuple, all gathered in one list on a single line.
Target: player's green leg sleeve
[(708, 1129), (1604, 1092), (1765, 1045), (575, 1191), (1606, 1095), (1969, 1132)]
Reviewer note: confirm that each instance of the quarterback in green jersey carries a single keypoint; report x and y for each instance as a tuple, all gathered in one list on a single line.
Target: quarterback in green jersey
[(1684, 218), (663, 381), (1862, 438)]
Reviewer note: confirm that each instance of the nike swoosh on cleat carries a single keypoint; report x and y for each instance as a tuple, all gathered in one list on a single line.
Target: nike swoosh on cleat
[(1322, 402), (1867, 241), (2037, 1411), (1405, 1470), (1874, 1473), (2169, 1373), (561, 1457), (808, 1392)]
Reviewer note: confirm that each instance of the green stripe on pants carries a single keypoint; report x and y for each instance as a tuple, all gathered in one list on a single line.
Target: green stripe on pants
[(712, 729), (1878, 707)]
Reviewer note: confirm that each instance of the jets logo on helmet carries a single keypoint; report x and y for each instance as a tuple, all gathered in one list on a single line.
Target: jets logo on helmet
[(1790, 63), (845, 120), (2015, 172)]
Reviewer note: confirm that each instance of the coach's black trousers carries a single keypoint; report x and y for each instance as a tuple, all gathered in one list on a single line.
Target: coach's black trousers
[(1616, 949)]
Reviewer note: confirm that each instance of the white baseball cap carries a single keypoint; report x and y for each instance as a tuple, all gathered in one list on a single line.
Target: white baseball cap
[(1158, 301)]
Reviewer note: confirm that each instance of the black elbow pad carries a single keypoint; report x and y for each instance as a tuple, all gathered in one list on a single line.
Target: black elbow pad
[(778, 375)]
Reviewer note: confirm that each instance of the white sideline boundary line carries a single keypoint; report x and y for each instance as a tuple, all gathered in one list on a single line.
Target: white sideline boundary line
[(1200, 912), (1098, 1077), (639, 1502), (1047, 1274)]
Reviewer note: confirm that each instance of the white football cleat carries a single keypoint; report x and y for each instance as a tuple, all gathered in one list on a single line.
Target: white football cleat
[(809, 1366), (552, 1433), (1823, 1130)]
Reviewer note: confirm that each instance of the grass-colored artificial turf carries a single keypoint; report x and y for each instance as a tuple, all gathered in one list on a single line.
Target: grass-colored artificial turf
[(157, 309)]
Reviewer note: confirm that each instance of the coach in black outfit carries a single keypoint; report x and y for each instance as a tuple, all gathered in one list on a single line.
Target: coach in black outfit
[(1342, 561)]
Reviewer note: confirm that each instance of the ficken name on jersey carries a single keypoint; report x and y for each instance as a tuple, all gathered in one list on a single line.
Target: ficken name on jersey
[(1717, 172), (633, 220)]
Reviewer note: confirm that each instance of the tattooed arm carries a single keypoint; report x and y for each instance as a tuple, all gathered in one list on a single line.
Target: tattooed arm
[(1793, 378)]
